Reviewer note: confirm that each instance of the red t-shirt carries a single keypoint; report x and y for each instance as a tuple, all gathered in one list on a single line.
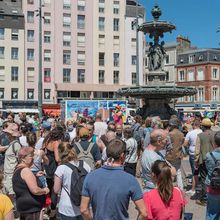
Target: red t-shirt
[(158, 210)]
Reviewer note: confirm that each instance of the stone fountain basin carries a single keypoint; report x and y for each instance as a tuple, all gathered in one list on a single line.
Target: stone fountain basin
[(157, 92), (157, 26)]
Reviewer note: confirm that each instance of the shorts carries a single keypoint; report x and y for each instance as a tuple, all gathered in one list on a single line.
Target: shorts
[(8, 184)]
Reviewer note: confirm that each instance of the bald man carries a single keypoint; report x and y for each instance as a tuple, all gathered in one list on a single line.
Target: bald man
[(158, 140)]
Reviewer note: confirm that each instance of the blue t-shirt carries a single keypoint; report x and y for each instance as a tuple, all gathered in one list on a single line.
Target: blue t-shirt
[(110, 190)]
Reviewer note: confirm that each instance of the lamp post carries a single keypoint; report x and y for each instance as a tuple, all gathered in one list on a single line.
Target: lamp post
[(40, 61), (137, 45)]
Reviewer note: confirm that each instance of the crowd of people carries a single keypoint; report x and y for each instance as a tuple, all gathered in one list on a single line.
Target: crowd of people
[(90, 169)]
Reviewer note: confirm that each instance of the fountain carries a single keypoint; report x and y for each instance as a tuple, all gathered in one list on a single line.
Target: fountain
[(158, 94)]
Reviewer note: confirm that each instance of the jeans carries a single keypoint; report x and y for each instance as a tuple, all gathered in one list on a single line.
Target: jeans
[(192, 163), (64, 217), (203, 174), (213, 207)]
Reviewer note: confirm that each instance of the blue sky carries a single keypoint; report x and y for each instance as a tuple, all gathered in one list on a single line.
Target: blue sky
[(196, 19)]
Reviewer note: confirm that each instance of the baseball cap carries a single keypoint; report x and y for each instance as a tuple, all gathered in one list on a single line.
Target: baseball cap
[(206, 122), (46, 125)]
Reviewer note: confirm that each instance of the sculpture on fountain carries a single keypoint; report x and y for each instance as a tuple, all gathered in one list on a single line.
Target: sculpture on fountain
[(157, 95)]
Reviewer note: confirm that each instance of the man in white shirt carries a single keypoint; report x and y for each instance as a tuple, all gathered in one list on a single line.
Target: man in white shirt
[(100, 126), (190, 141)]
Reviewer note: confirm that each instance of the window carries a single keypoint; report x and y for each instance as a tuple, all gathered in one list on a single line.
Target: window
[(116, 7), (30, 54), (2, 73), (81, 21), (101, 24), (101, 1), (2, 52), (167, 59), (101, 38), (66, 75), (47, 94), (116, 59), (191, 58), (116, 24), (215, 73), (30, 17), (66, 38), (47, 55), (200, 94), (191, 75), (133, 78), (66, 4), (47, 2), (47, 75), (167, 76), (47, 36), (14, 34), (47, 18), (200, 74), (81, 57), (116, 40), (66, 57), (215, 94), (116, 77), (30, 93), (81, 39), (66, 20), (101, 10), (101, 76), (30, 2), (14, 53), (2, 33), (30, 35), (14, 93), (101, 59), (146, 60), (181, 75), (133, 60), (81, 5), (2, 93), (30, 74), (81, 75), (14, 73)]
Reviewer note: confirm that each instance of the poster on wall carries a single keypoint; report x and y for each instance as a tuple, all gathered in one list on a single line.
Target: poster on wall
[(85, 108)]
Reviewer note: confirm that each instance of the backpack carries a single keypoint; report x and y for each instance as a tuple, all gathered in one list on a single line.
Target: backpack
[(77, 178), (136, 135), (86, 155), (215, 175)]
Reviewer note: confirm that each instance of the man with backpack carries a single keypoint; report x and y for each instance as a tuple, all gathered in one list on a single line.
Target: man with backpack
[(213, 180), (109, 189), (86, 150)]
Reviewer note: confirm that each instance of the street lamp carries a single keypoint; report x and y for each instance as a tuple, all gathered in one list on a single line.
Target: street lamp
[(40, 60)]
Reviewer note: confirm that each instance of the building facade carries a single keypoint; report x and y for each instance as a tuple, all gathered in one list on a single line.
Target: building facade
[(88, 48), (199, 68), (11, 51)]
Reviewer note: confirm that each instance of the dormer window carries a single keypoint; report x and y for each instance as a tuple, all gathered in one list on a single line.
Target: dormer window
[(200, 57), (214, 57), (181, 60), (191, 58)]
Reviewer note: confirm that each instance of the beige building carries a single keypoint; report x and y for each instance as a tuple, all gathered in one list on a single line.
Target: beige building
[(11, 51)]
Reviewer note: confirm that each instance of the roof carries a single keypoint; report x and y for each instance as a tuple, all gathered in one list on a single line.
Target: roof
[(200, 50), (11, 8)]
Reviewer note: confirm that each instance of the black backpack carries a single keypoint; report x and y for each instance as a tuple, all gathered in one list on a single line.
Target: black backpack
[(215, 175), (77, 179)]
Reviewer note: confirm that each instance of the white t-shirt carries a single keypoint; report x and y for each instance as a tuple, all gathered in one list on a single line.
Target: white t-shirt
[(131, 147), (100, 128), (23, 141), (64, 173), (72, 134), (191, 137), (39, 143)]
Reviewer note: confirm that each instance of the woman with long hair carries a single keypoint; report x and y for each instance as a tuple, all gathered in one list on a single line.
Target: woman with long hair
[(165, 201), (62, 181), (30, 193), (50, 146)]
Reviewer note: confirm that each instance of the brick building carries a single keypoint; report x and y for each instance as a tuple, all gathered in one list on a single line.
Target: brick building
[(199, 68)]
